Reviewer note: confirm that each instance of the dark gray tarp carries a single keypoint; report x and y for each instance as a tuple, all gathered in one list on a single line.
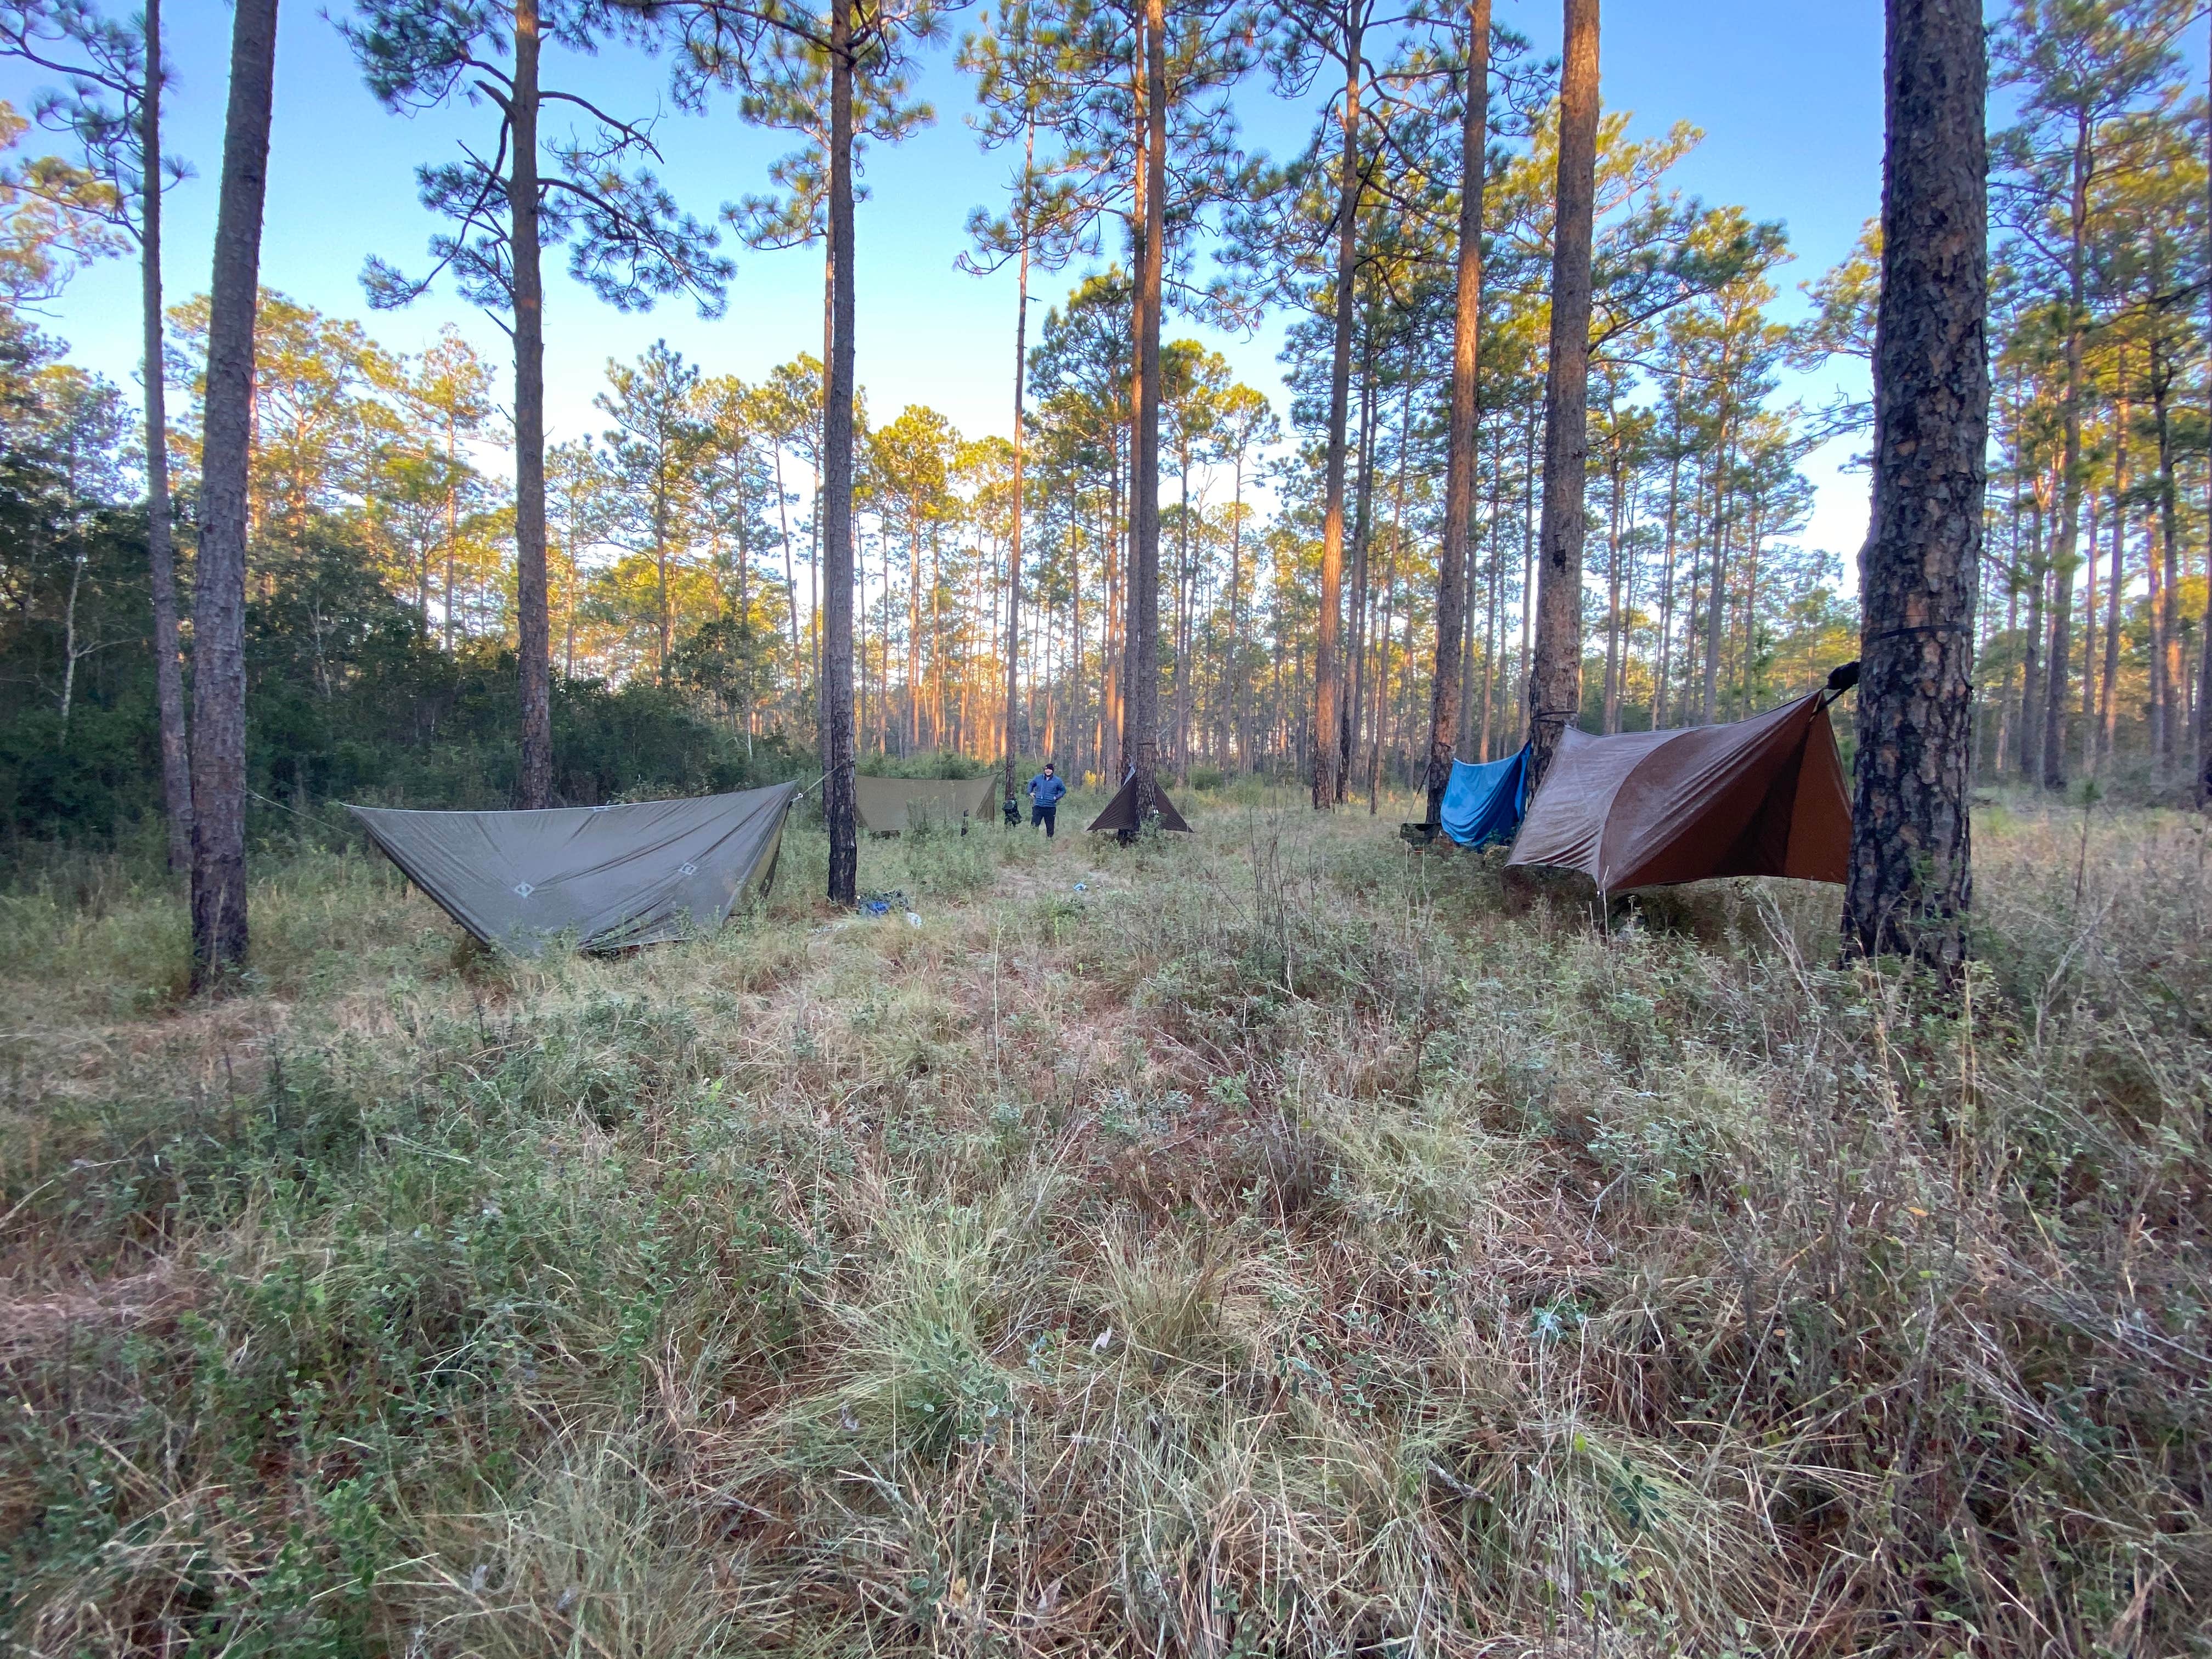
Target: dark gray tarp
[(603, 878), (1121, 812), (1763, 797), (888, 805)]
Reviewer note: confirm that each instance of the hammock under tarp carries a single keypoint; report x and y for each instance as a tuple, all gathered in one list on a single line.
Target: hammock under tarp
[(1483, 804), (1121, 812), (599, 878), (1763, 797), (889, 805)]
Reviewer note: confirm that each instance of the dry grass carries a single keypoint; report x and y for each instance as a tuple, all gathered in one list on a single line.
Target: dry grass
[(1283, 1245)]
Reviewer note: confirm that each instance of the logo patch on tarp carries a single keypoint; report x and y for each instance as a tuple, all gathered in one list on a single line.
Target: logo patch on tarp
[(524, 889), (687, 869)]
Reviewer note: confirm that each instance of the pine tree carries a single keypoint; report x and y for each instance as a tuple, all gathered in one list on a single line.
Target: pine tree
[(1555, 679), (1447, 692), (628, 243), (1911, 879), (218, 726)]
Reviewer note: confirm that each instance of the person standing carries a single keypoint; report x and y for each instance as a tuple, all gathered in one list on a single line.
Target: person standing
[(1045, 791)]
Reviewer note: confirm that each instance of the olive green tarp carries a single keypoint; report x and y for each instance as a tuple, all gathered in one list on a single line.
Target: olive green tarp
[(604, 878), (888, 805), (1121, 812), (1763, 797)]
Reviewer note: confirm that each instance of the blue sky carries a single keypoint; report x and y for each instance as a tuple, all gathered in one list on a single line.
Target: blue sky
[(1788, 92)]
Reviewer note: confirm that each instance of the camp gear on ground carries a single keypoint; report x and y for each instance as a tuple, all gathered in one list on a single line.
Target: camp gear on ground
[(889, 805), (1046, 789), (603, 876), (1483, 804), (881, 900), (1121, 812), (1763, 797), (1012, 809)]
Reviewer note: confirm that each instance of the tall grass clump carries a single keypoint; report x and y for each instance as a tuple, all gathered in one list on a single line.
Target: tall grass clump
[(1264, 1242)]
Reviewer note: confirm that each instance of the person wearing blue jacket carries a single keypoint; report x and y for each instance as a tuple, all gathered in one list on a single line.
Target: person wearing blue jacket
[(1045, 791)]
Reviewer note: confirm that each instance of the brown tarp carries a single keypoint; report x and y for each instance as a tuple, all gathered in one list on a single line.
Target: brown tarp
[(888, 805), (1121, 812), (1763, 797), (602, 877)]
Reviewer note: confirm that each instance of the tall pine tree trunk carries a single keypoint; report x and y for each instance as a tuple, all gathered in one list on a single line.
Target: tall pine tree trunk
[(1238, 726), (218, 732), (1555, 680), (1911, 877), (1446, 688), (837, 790), (2058, 667), (161, 531), (1613, 666), (1362, 510), (1014, 550), (2204, 628), (534, 628), (2065, 554), (1141, 719), (2171, 671), (1329, 669), (2109, 699)]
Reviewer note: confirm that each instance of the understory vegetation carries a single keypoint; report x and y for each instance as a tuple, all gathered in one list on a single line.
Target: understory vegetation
[(1266, 1242)]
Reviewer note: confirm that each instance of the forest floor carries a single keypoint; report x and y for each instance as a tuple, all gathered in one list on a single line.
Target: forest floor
[(1269, 1242)]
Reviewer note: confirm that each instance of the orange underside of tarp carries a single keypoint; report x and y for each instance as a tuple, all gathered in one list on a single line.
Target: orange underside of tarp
[(1763, 797)]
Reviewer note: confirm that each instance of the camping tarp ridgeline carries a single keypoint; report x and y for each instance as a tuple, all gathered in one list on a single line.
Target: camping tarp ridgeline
[(888, 805), (1763, 797), (1483, 804), (605, 877), (1121, 812)]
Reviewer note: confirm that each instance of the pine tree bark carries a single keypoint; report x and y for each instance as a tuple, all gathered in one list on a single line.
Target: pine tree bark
[(1363, 519), (1329, 669), (1911, 882), (2058, 653), (2108, 700), (1140, 702), (218, 895), (1555, 679), (838, 807), (2171, 671), (533, 618), (2031, 674), (2057, 663), (2204, 628), (161, 525), (1014, 550)]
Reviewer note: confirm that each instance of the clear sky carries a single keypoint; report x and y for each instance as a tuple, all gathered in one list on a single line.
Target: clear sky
[(1787, 93)]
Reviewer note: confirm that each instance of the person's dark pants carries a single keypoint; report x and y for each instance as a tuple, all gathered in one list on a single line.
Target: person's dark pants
[(1045, 816)]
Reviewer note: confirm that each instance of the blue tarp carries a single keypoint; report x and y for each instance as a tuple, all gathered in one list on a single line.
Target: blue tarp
[(1483, 804)]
